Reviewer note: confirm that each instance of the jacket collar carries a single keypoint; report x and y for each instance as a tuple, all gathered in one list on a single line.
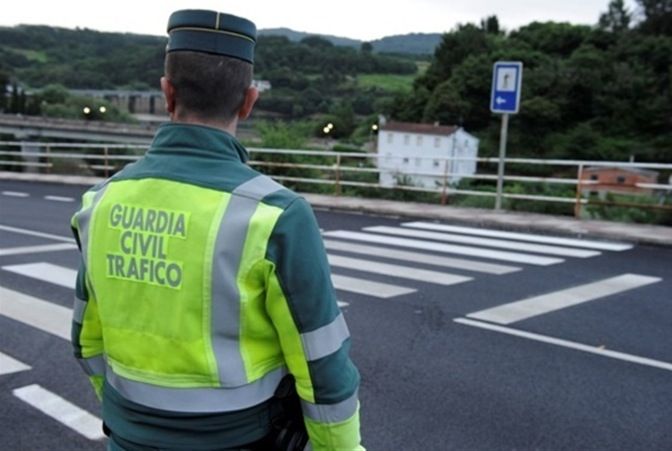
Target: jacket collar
[(210, 142)]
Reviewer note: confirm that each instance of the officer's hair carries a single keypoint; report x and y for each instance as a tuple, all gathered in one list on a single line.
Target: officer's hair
[(208, 86)]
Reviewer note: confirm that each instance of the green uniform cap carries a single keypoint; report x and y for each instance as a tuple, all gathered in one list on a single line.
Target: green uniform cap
[(205, 31)]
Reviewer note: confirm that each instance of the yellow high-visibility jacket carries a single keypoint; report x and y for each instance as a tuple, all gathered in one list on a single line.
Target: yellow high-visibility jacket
[(202, 284)]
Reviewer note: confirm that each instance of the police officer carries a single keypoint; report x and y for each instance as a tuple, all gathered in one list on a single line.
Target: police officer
[(204, 284)]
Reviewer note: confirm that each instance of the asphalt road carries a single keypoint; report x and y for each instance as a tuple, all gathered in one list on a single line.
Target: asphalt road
[(442, 366)]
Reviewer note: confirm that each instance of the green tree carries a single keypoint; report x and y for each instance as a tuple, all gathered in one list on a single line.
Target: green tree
[(617, 18), (657, 16), (490, 25)]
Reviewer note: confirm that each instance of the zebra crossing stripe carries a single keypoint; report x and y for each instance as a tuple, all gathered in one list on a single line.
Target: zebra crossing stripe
[(37, 249), (34, 312), (403, 272), (486, 242), (47, 272), (546, 303), (446, 248), (36, 233), (562, 241), (61, 410), (10, 365), (418, 257), (367, 287)]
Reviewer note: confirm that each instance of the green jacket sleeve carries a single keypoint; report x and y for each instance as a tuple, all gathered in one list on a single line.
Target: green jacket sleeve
[(86, 331), (312, 330)]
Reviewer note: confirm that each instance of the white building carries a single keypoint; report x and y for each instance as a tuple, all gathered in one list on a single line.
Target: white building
[(424, 154)]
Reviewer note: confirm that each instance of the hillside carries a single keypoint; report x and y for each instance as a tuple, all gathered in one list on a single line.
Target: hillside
[(412, 43)]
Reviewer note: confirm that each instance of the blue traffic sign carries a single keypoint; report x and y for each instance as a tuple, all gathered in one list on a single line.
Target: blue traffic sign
[(507, 79)]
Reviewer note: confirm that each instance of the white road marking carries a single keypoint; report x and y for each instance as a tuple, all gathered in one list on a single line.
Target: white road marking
[(403, 272), (36, 233), (342, 304), (487, 242), (368, 287), (45, 316), (589, 244), (446, 248), (10, 365), (550, 302), (47, 272), (567, 344), (60, 198), (37, 249), (66, 413), (417, 257), (15, 194)]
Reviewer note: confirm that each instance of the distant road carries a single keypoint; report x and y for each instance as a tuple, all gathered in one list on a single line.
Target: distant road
[(466, 339)]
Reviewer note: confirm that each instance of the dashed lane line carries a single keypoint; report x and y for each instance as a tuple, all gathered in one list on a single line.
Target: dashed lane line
[(61, 410), (60, 198), (15, 194)]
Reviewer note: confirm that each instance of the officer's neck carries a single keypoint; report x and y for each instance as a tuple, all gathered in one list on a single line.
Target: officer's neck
[(229, 127)]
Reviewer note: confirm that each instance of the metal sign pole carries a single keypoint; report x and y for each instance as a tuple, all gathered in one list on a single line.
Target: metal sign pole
[(502, 157)]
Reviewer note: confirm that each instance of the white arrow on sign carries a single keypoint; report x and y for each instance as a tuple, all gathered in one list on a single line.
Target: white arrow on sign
[(500, 100)]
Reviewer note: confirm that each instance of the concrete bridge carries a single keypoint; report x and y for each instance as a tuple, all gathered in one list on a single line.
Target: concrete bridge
[(32, 127)]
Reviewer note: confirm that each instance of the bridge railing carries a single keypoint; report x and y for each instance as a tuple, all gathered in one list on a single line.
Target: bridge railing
[(538, 182)]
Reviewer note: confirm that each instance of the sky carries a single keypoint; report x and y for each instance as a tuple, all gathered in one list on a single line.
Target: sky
[(358, 19)]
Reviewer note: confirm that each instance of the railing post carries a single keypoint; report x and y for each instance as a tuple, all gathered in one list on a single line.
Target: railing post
[(444, 194), (47, 150), (107, 171), (579, 189), (338, 174)]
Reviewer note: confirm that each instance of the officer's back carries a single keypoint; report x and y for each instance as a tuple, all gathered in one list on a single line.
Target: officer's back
[(204, 284)]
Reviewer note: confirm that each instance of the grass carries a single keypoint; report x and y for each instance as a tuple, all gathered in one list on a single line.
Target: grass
[(387, 82), (32, 55)]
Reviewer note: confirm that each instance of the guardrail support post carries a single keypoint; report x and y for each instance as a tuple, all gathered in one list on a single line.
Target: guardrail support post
[(338, 175), (47, 149), (579, 189), (444, 195), (502, 158), (107, 171)]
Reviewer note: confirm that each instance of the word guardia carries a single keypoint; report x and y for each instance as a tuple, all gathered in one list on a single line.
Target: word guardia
[(143, 242)]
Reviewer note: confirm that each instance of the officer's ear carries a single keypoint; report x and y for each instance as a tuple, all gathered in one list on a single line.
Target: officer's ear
[(251, 96), (169, 94)]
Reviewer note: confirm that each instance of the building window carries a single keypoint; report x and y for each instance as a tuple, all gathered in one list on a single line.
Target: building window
[(594, 177), (437, 163), (418, 161), (437, 142), (418, 140), (406, 160), (390, 138), (620, 179), (388, 156), (407, 140)]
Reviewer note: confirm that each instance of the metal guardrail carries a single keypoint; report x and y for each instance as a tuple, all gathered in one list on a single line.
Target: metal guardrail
[(333, 168)]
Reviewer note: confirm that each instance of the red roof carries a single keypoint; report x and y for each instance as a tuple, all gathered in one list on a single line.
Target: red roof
[(424, 129)]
